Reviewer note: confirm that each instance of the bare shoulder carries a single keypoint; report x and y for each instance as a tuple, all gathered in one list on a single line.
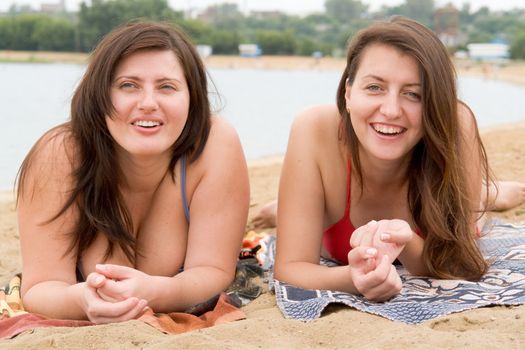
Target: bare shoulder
[(222, 138), (467, 120), (320, 117), (221, 130), (465, 114), (52, 158), (223, 146), (316, 126)]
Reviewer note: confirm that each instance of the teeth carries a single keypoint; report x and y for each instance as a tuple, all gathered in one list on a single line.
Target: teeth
[(146, 123), (389, 130)]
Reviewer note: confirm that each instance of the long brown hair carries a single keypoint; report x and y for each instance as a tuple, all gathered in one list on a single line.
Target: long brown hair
[(438, 191), (96, 192)]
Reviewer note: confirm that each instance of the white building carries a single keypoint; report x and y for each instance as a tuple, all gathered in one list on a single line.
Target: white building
[(489, 52), (249, 50)]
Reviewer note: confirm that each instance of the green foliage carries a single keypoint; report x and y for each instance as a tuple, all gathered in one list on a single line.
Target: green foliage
[(276, 43), (102, 16), (224, 27), (199, 31), (487, 27), (224, 16), (17, 32), (345, 10), (53, 34), (225, 42), (419, 10), (517, 49)]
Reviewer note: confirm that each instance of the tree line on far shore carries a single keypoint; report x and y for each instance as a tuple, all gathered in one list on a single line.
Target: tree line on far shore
[(224, 26)]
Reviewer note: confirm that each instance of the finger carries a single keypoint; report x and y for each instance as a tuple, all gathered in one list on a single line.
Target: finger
[(359, 255), (385, 291), (130, 313), (95, 280), (114, 271), (114, 310), (108, 296), (383, 282), (364, 235), (112, 291), (396, 237), (380, 273)]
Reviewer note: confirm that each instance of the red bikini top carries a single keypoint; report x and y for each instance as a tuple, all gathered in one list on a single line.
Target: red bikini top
[(336, 238)]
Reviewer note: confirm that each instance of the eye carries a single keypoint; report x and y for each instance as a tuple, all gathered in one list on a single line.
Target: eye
[(414, 96), (167, 87), (373, 88), (127, 85)]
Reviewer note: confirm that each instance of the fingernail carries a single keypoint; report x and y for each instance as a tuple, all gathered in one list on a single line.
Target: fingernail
[(99, 279), (372, 223), (385, 236), (371, 251)]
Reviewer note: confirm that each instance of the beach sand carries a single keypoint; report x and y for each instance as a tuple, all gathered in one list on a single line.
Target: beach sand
[(265, 328)]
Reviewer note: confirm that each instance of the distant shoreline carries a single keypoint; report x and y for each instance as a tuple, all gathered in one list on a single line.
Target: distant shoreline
[(513, 72)]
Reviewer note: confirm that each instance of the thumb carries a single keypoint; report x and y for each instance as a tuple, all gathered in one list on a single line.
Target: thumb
[(115, 272), (360, 255), (95, 280)]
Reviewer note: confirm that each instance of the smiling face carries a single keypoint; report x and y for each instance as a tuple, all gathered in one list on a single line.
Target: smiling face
[(150, 95), (384, 102)]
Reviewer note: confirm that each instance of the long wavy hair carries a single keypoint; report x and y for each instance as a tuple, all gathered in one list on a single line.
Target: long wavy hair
[(96, 179), (438, 189)]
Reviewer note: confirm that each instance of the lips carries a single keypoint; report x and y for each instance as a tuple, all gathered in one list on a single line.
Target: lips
[(148, 124), (388, 130)]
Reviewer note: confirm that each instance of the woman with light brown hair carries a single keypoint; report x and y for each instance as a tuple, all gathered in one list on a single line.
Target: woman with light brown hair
[(131, 204), (393, 171)]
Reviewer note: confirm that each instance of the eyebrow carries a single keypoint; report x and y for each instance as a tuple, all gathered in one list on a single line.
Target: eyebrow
[(162, 80), (376, 77)]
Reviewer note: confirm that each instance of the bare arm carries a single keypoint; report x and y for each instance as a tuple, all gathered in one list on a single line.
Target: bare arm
[(209, 246), (301, 213), (471, 159), (49, 285), (219, 210)]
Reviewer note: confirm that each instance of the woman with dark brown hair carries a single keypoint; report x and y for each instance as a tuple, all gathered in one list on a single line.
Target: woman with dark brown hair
[(393, 171), (131, 204)]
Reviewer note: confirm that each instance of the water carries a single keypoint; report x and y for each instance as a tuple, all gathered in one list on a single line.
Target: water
[(261, 104)]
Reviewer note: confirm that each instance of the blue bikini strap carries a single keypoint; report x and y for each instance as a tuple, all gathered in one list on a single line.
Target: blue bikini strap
[(183, 188)]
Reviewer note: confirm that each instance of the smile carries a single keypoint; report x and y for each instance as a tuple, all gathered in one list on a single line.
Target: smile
[(147, 123), (388, 130)]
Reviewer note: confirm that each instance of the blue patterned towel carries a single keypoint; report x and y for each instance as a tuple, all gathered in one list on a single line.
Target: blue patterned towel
[(424, 298)]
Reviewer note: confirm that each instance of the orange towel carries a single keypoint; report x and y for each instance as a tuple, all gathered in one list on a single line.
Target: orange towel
[(180, 322), (14, 320)]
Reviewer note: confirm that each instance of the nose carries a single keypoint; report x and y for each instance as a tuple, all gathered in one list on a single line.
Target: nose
[(391, 106), (147, 100)]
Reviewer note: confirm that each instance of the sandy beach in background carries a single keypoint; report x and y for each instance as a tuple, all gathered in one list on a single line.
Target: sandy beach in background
[(340, 327), (512, 71)]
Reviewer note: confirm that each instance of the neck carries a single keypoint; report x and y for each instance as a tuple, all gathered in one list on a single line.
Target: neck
[(143, 174), (384, 173)]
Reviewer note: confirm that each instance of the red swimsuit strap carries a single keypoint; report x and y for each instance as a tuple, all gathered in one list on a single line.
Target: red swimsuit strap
[(348, 190)]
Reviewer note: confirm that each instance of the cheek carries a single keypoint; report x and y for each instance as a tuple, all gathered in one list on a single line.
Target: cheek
[(416, 117)]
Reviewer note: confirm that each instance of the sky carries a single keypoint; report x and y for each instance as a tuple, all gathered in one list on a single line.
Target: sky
[(299, 7)]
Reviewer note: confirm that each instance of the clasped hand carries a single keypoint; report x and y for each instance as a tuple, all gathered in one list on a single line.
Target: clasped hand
[(375, 246), (113, 294)]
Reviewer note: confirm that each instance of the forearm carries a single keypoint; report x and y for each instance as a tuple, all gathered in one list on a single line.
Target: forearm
[(314, 276), (412, 257), (55, 299), (188, 288)]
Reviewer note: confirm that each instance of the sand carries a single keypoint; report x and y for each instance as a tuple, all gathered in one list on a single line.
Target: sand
[(265, 327)]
